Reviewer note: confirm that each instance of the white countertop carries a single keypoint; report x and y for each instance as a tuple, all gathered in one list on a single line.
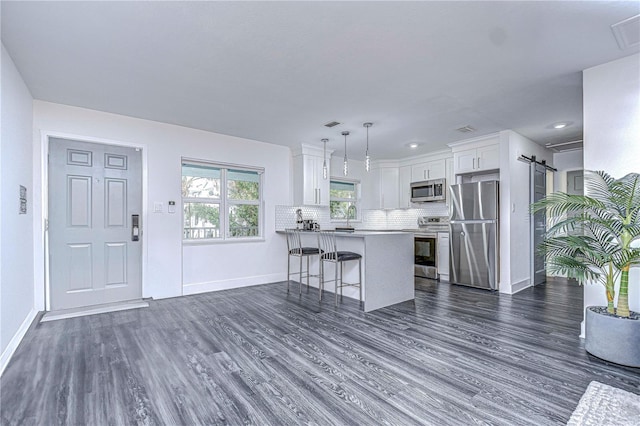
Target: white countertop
[(357, 233)]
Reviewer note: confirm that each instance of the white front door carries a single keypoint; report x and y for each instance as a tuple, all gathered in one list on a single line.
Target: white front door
[(95, 196)]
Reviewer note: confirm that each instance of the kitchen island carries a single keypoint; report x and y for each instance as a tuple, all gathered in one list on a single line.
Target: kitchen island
[(387, 266)]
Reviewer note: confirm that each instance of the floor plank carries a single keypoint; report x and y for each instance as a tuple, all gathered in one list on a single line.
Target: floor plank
[(258, 355)]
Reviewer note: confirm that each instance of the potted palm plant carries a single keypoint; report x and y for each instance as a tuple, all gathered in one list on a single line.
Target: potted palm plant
[(594, 238)]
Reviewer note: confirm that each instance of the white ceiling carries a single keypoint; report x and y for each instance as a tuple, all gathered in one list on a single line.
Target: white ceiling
[(277, 71)]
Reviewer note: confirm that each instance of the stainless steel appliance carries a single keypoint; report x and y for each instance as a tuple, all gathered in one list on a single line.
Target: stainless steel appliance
[(309, 225), (426, 246), (428, 190), (473, 234)]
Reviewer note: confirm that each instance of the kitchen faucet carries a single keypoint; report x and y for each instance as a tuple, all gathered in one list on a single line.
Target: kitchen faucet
[(351, 208)]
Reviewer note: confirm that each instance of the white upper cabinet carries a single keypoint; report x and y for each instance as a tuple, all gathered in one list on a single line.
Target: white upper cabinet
[(489, 157), (428, 170), (382, 189), (388, 185), (389, 188), (450, 178), (404, 190), (478, 156), (309, 185), (465, 161)]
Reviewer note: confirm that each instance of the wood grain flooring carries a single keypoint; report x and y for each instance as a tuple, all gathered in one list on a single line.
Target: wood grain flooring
[(256, 355)]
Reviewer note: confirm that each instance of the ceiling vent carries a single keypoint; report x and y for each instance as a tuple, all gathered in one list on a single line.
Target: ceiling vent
[(331, 124), (466, 129), (627, 32)]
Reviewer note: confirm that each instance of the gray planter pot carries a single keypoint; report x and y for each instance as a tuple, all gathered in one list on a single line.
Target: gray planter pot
[(611, 338)]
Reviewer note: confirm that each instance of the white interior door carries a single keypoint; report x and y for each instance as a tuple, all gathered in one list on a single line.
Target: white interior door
[(95, 194)]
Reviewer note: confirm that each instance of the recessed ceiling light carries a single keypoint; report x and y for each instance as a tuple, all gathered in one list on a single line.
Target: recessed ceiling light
[(559, 125), (413, 145)]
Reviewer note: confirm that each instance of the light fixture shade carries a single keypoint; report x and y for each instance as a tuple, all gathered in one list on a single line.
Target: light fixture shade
[(325, 171), (367, 158), (345, 164)]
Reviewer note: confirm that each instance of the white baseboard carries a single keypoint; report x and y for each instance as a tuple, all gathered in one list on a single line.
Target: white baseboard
[(521, 285), (15, 341), (205, 287)]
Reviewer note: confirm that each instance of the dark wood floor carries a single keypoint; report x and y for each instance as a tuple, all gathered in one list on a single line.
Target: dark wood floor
[(257, 356)]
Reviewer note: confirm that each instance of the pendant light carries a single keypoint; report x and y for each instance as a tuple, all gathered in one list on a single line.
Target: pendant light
[(345, 165), (367, 159), (325, 171)]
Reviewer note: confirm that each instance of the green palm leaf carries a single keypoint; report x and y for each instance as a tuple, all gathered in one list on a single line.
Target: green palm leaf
[(592, 237)]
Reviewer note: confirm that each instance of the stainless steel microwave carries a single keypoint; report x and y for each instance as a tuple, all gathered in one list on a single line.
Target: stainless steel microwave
[(428, 190)]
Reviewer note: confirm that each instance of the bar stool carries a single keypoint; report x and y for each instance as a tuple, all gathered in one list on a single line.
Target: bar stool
[(330, 253), (294, 248)]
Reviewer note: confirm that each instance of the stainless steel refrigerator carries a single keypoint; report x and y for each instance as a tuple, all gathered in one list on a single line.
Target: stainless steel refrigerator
[(473, 235)]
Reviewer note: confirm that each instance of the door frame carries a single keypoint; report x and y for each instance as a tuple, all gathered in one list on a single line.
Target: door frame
[(44, 294)]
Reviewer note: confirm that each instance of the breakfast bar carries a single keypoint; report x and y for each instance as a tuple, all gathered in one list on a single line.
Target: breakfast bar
[(387, 266)]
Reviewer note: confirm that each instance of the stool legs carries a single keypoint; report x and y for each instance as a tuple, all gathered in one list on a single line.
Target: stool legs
[(360, 279), (341, 281), (301, 273), (338, 281), (308, 273), (300, 280), (321, 278)]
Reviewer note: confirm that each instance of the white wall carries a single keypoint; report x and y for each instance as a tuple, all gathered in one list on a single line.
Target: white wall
[(515, 245), (611, 105), (566, 161), (206, 267), (16, 262)]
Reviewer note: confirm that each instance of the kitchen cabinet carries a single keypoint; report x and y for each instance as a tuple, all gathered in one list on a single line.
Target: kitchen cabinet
[(309, 185), (450, 179), (429, 170), (389, 188), (477, 159), (404, 189), (442, 261), (382, 192)]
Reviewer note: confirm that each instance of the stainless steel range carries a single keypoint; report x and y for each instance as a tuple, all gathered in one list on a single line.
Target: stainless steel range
[(426, 245)]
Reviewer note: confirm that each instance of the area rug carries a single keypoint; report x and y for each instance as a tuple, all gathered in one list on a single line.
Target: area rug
[(605, 405)]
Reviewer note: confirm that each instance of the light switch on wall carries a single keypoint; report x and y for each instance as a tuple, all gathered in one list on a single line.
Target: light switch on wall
[(158, 207), (172, 207)]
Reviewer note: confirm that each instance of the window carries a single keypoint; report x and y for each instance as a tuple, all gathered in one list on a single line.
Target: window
[(221, 202), (342, 196)]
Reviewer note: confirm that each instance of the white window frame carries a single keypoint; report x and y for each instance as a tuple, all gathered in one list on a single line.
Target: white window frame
[(356, 200), (224, 202)]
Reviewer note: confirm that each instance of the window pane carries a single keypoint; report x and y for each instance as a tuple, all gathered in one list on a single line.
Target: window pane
[(243, 185), (201, 221), (200, 181), (243, 221), (339, 209), (342, 189)]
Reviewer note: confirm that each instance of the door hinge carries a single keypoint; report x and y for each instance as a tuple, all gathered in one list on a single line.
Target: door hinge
[(46, 225)]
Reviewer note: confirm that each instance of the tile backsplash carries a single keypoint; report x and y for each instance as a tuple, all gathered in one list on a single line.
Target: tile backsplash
[(371, 219)]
